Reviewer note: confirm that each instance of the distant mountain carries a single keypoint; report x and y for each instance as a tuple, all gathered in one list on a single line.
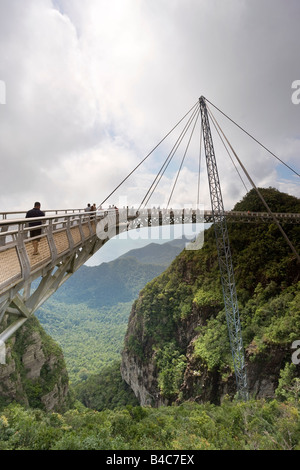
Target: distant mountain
[(155, 253), (88, 315), (120, 280), (177, 344)]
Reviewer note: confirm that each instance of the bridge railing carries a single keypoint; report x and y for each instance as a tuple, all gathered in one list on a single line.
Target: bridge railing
[(48, 212), (154, 217), (66, 230), (13, 230), (281, 216), (60, 233)]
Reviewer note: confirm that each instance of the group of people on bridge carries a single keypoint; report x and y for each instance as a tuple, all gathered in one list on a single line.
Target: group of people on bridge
[(90, 208)]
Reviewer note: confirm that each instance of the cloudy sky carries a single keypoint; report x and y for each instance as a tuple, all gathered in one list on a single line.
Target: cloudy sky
[(91, 87)]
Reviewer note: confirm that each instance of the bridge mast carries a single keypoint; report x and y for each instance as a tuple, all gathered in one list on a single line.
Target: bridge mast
[(224, 257)]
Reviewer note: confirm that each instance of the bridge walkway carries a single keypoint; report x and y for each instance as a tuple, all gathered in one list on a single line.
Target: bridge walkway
[(68, 239)]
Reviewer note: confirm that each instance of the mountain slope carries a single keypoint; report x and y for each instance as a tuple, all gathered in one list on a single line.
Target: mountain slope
[(176, 345), (119, 280), (88, 315), (155, 253), (35, 371)]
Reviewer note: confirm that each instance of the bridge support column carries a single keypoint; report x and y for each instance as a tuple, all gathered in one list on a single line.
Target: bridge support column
[(224, 257)]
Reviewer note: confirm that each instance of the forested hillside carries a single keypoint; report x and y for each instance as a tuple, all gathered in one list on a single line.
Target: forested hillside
[(88, 315), (177, 353), (255, 425), (35, 372), (177, 344)]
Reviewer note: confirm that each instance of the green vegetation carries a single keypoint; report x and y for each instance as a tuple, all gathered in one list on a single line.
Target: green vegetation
[(178, 325), (105, 390), (30, 386), (91, 338), (231, 426), (88, 315), (171, 365), (268, 288)]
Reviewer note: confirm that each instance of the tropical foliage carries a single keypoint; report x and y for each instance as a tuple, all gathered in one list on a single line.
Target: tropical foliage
[(91, 338), (255, 425), (88, 315), (268, 288), (106, 415)]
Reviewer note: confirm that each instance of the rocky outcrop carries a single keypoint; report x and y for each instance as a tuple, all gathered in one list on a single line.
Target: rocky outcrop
[(263, 372), (35, 373), (198, 383), (177, 347), (139, 361), (142, 379)]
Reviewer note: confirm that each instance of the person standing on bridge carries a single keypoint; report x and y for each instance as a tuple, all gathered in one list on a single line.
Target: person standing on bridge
[(35, 212)]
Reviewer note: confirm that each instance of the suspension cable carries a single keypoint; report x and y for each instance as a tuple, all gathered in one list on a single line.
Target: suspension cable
[(147, 156), (179, 170), (214, 123), (199, 169), (167, 161), (262, 199), (253, 137)]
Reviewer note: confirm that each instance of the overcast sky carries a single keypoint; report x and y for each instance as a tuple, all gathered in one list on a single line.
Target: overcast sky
[(92, 86)]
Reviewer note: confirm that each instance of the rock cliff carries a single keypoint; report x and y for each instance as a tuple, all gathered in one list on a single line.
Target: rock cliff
[(35, 373), (176, 345)]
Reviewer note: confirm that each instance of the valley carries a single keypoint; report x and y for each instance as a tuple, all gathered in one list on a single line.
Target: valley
[(135, 355), (88, 315)]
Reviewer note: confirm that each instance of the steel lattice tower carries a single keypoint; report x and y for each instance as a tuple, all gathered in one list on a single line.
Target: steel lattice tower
[(224, 257)]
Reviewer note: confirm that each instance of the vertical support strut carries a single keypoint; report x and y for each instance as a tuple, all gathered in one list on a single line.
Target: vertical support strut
[(224, 257)]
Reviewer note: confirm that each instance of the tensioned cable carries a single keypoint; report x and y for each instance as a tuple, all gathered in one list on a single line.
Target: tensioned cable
[(214, 123), (262, 198), (167, 161), (253, 137), (169, 158), (187, 147), (199, 169), (148, 155)]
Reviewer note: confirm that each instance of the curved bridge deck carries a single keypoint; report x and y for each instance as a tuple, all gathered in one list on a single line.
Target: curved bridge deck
[(69, 231), (68, 239)]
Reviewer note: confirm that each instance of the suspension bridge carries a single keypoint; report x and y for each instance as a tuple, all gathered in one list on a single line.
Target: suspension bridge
[(69, 237)]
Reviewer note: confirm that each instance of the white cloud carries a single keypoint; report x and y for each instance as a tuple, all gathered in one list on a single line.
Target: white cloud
[(92, 87)]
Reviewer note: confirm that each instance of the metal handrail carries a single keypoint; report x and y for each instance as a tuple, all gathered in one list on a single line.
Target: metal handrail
[(154, 211), (4, 214)]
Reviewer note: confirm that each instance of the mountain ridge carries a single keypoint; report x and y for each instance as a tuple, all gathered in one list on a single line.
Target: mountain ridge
[(119, 280), (176, 345), (88, 316)]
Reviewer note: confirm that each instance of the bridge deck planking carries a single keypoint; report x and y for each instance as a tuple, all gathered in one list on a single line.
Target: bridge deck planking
[(65, 239), (68, 240)]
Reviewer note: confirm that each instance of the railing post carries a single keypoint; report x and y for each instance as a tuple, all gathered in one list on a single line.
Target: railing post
[(70, 239), (22, 253), (52, 246)]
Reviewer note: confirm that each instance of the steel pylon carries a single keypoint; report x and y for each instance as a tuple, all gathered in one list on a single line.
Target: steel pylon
[(224, 257)]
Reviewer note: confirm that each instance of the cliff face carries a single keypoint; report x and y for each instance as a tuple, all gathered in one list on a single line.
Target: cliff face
[(198, 382), (176, 346), (35, 372), (141, 366)]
